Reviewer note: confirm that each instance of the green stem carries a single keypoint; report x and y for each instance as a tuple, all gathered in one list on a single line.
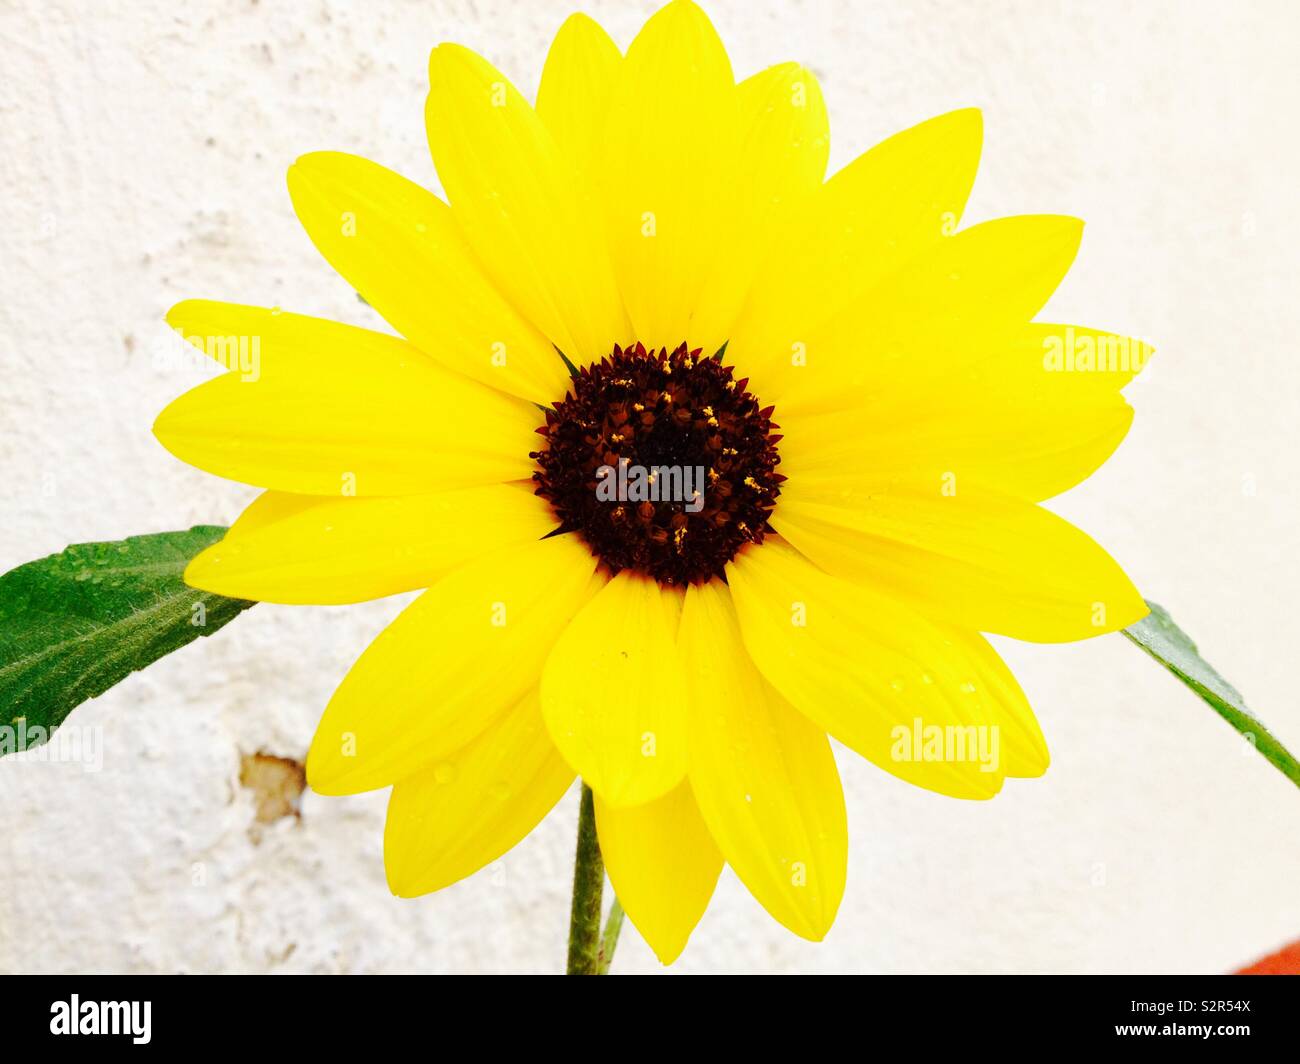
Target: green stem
[(588, 886)]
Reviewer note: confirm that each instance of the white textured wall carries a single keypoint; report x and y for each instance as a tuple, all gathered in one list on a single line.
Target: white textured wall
[(144, 151)]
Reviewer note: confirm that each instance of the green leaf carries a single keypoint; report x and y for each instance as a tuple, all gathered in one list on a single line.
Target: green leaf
[(1168, 644), (74, 624)]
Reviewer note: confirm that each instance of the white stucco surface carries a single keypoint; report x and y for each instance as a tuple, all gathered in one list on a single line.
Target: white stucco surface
[(145, 146)]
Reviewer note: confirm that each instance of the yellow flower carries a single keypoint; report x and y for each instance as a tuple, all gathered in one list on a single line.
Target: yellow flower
[(687, 654)]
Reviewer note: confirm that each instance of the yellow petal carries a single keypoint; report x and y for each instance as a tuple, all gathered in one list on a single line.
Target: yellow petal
[(1030, 414), (399, 246), (612, 692), (328, 409), (1021, 749), (451, 819), (986, 281), (671, 138), (1030, 454), (1039, 364), (875, 675), (1019, 449), (763, 775), (663, 865), (785, 141), (875, 215), (516, 198), (454, 660), (312, 550), (970, 290), (573, 98), (984, 562)]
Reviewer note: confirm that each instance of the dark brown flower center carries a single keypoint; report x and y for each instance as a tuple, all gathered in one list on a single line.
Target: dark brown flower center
[(662, 462)]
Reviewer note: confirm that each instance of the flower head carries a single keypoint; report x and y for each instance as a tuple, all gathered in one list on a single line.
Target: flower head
[(700, 456)]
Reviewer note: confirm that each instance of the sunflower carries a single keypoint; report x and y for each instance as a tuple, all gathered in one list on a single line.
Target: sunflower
[(648, 269)]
